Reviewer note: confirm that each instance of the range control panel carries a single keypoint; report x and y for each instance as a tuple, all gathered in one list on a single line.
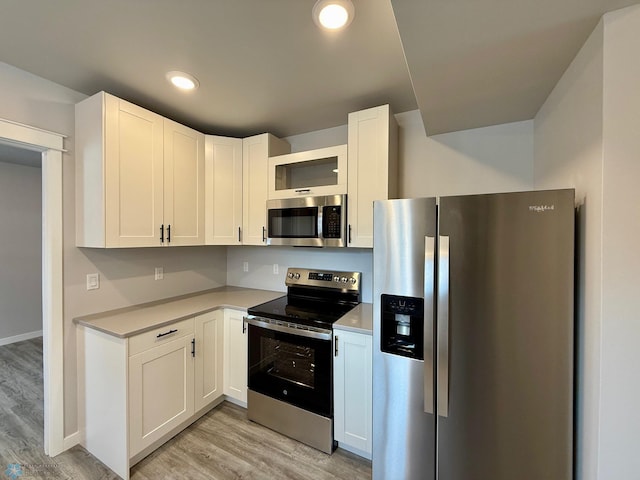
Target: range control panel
[(323, 278)]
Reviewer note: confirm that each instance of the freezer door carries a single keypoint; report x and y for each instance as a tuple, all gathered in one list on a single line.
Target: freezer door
[(403, 361), (505, 357)]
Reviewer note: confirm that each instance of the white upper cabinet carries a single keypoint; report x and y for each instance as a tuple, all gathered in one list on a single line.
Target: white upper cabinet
[(256, 151), (139, 177), (313, 172), (184, 187), (223, 173), (372, 169)]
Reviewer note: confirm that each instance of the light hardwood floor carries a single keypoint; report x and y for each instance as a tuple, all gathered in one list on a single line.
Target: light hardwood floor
[(221, 445)]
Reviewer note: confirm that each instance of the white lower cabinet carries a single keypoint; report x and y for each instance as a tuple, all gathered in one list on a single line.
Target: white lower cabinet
[(209, 329), (235, 357), (352, 391), (160, 392), (142, 390)]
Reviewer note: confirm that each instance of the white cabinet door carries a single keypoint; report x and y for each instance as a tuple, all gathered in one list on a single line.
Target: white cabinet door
[(372, 169), (314, 172), (256, 151), (137, 174), (209, 332), (352, 391), (133, 169), (235, 356), (160, 391), (223, 173), (183, 185)]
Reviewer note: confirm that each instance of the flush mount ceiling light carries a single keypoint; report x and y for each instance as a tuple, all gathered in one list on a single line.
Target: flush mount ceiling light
[(183, 80), (333, 14)]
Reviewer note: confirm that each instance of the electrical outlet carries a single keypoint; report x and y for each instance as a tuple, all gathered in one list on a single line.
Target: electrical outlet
[(245, 267), (159, 273), (275, 268), (93, 281)]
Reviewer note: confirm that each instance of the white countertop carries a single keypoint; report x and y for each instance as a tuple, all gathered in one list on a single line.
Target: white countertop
[(358, 320), (129, 321)]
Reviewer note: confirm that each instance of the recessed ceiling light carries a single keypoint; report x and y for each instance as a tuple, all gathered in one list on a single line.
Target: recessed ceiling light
[(183, 80), (333, 14)]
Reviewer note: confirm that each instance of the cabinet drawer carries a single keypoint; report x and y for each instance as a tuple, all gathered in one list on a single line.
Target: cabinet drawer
[(160, 335)]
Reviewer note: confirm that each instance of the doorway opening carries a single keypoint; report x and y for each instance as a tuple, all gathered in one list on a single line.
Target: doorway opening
[(49, 146)]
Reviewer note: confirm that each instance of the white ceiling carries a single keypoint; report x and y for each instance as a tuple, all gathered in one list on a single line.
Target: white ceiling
[(263, 65), (484, 62)]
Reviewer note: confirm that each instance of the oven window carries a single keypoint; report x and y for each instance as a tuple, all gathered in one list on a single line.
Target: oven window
[(293, 222), (291, 368), (288, 361)]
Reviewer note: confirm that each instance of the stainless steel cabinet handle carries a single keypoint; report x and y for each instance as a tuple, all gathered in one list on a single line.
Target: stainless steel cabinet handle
[(193, 347), (244, 325), (349, 233), (429, 287), (239, 234), (264, 234), (335, 351), (162, 233), (168, 233), (160, 335), (303, 190), (443, 327)]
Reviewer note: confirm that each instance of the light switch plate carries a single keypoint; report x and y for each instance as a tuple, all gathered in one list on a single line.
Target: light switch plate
[(159, 273), (93, 281), (275, 269), (245, 267)]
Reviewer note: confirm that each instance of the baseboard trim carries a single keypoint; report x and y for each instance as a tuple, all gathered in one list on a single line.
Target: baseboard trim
[(20, 338), (71, 440)]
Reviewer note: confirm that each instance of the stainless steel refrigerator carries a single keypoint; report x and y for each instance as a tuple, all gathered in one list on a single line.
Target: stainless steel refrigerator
[(473, 337)]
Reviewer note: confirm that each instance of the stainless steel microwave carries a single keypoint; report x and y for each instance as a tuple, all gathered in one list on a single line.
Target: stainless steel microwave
[(318, 221)]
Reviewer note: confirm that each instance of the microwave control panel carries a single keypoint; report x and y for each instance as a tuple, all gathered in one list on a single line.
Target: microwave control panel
[(331, 221)]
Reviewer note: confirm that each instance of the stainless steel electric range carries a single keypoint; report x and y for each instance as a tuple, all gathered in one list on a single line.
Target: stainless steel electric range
[(290, 354)]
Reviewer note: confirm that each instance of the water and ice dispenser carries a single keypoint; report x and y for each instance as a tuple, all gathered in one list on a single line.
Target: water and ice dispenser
[(402, 331)]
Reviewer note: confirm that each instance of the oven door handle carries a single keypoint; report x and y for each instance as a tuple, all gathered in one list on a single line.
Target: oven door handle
[(301, 332)]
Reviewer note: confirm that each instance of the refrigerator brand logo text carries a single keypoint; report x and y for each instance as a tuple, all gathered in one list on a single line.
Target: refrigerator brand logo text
[(541, 208)]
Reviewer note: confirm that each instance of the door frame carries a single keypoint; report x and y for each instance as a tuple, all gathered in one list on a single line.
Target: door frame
[(50, 145)]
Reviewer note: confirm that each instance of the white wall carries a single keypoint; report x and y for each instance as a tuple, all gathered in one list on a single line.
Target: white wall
[(491, 159), (261, 260), (482, 160), (126, 275), (620, 385), (20, 251), (569, 153), (587, 135)]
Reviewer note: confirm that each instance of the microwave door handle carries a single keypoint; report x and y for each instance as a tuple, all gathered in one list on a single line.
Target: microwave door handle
[(320, 233)]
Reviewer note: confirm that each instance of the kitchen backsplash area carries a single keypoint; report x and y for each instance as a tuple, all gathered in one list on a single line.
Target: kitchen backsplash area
[(260, 262)]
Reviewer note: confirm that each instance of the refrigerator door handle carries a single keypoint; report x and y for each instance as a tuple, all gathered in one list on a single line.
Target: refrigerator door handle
[(429, 271), (443, 326)]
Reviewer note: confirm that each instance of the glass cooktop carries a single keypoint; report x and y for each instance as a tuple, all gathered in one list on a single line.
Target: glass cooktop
[(318, 313)]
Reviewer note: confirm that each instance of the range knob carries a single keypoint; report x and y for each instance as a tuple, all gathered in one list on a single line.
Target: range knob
[(353, 280), (290, 275), (344, 279), (336, 278), (297, 276)]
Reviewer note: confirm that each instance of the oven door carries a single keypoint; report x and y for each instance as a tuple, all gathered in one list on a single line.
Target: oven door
[(291, 365)]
